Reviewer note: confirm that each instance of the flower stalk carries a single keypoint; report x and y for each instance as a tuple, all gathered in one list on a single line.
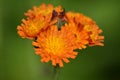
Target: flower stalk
[(56, 72)]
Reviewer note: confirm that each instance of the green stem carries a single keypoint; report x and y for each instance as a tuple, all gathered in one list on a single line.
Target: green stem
[(56, 70)]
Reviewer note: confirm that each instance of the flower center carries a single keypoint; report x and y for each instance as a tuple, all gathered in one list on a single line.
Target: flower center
[(55, 45)]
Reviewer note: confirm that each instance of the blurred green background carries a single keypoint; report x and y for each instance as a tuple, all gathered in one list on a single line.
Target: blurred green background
[(19, 62)]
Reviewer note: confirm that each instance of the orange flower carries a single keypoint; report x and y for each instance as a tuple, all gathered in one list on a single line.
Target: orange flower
[(79, 19), (30, 28), (56, 46), (75, 24), (86, 29), (43, 9)]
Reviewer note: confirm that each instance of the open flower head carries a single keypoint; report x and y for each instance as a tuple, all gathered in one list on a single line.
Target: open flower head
[(76, 24), (86, 29), (30, 28), (44, 10), (56, 46)]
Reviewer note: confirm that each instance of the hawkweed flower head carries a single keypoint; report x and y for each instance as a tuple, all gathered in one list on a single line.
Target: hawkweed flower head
[(56, 34), (86, 30), (56, 46), (30, 28)]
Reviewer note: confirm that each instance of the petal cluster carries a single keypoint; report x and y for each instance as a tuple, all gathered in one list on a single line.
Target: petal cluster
[(56, 34)]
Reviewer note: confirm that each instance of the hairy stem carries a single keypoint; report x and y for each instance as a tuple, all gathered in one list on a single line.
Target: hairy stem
[(56, 70)]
